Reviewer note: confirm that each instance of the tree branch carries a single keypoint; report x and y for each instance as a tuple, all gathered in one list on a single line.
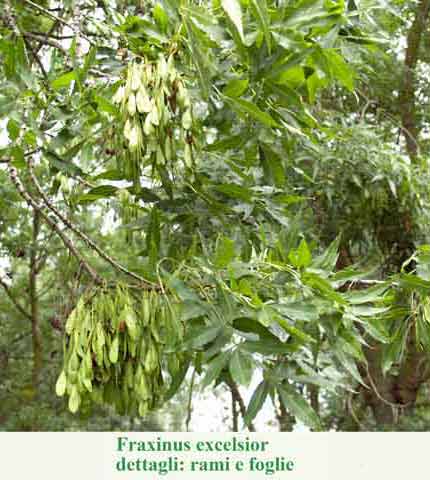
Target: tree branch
[(66, 240), (57, 19), (82, 235), (14, 300), (43, 40), (237, 398)]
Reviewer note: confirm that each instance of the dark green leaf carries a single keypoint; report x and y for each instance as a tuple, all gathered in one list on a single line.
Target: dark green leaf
[(296, 404)]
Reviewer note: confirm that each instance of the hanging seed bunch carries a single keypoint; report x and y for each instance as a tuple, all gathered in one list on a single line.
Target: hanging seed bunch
[(157, 114), (128, 211), (121, 351)]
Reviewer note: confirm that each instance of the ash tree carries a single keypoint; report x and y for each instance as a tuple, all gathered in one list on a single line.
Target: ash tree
[(216, 194)]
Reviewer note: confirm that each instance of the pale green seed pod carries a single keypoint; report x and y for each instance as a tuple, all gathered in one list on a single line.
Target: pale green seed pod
[(127, 129), (187, 120), (136, 75), (188, 156), (151, 358), (145, 310), (182, 97), (131, 104), (130, 321), (154, 116), (171, 69), (70, 323), (160, 156), (114, 350), (143, 387), (162, 68), (143, 102), (161, 111), (119, 95), (148, 127), (135, 137), (173, 364), (60, 386), (148, 74), (87, 383), (74, 400), (153, 144), (129, 376)]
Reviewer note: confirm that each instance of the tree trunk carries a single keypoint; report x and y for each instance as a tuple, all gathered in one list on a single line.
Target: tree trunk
[(34, 304), (407, 94)]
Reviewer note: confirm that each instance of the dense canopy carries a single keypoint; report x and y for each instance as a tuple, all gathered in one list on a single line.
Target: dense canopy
[(228, 194)]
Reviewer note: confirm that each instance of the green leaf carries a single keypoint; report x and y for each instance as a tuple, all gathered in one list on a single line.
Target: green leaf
[(367, 295), (234, 11), (105, 105), (328, 259), (236, 87), (177, 380), (339, 69), (413, 282), (225, 252), (248, 108), (323, 287), (235, 191), (160, 16), (393, 351), (109, 175), (367, 311), (296, 332), (241, 367), (201, 338), (298, 311), (312, 12), (13, 129), (375, 330), (249, 325), (215, 367), (6, 104), (267, 347), (17, 154), (103, 191), (97, 193), (274, 170), (199, 57), (301, 256), (259, 7), (64, 80), (348, 363), (256, 402), (298, 406)]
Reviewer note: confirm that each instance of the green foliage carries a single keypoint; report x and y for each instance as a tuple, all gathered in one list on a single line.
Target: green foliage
[(238, 145)]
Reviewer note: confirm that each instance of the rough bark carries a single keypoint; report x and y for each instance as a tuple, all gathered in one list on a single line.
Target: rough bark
[(389, 395), (34, 303), (407, 94)]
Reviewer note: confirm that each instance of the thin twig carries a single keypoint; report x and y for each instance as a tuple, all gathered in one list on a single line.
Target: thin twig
[(239, 400), (45, 41), (14, 300), (234, 413), (190, 400), (66, 240), (58, 19)]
